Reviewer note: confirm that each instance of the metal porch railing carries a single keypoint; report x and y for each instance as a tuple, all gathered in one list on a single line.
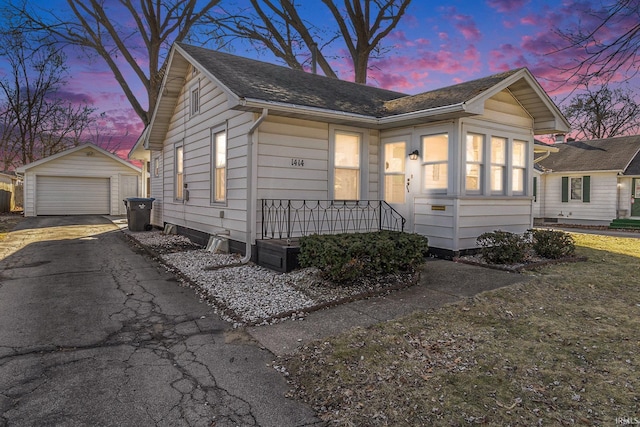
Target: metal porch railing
[(285, 219)]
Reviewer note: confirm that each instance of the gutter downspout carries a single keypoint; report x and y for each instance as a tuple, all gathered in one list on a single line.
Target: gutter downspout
[(541, 158), (251, 206)]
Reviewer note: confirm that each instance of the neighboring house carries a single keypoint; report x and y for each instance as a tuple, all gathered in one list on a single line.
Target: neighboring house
[(7, 192), (592, 182), (258, 151), (79, 181)]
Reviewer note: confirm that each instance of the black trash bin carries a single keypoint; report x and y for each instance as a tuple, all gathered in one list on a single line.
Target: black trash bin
[(139, 213)]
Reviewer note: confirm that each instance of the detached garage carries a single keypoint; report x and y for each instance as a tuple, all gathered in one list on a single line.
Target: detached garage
[(84, 180)]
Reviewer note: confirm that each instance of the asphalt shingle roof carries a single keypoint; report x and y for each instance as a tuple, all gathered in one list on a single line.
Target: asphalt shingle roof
[(594, 155), (450, 95), (248, 78)]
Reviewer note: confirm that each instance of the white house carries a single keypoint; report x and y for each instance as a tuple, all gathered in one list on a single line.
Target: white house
[(82, 180), (258, 151), (592, 182)]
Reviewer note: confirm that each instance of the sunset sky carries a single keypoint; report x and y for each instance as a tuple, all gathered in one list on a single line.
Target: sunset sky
[(438, 43)]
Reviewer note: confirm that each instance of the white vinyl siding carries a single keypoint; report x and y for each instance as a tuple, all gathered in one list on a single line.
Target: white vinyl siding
[(59, 195), (603, 189), (476, 216), (293, 159), (195, 136)]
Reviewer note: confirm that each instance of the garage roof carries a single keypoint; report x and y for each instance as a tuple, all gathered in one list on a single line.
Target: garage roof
[(88, 146)]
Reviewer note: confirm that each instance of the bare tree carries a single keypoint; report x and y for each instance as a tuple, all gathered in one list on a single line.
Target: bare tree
[(279, 27), (140, 32), (36, 122), (603, 113), (609, 39)]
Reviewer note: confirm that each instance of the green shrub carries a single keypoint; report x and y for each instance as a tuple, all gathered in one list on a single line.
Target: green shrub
[(345, 257), (502, 247), (552, 244)]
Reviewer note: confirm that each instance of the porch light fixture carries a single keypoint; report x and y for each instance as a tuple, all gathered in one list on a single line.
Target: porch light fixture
[(414, 155)]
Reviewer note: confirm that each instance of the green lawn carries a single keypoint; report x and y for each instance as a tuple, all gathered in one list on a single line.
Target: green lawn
[(561, 349)]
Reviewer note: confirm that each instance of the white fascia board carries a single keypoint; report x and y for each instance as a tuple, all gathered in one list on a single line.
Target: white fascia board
[(369, 120)]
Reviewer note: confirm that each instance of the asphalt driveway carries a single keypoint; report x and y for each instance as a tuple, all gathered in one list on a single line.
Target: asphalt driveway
[(93, 332)]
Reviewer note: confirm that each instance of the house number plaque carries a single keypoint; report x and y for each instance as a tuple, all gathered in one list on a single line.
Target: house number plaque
[(297, 162)]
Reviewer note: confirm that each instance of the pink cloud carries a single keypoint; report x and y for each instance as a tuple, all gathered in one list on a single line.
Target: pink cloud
[(467, 26), (507, 6), (529, 20)]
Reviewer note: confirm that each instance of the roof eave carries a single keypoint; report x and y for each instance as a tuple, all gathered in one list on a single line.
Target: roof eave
[(616, 171), (438, 113)]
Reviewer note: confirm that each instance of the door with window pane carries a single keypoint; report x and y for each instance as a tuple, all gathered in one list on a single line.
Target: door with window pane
[(397, 179)]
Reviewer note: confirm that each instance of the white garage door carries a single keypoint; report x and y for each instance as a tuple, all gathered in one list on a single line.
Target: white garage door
[(62, 195)]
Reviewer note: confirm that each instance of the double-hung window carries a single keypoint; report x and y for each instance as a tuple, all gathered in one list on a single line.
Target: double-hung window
[(576, 189), (519, 167), (219, 172), (179, 171), (435, 162), (498, 164), (475, 148), (346, 177)]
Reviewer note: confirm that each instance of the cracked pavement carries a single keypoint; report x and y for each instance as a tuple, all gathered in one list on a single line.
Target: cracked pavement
[(94, 332)]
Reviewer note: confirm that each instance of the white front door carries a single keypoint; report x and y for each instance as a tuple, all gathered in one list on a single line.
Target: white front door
[(400, 181)]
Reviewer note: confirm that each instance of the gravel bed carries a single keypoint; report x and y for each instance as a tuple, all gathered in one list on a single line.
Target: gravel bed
[(250, 294)]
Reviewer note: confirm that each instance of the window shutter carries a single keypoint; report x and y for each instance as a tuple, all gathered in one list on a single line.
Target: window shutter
[(535, 188), (586, 189), (565, 189)]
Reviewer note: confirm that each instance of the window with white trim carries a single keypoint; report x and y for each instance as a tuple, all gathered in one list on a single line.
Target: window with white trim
[(179, 171), (576, 188), (194, 99), (498, 164), (519, 167), (435, 162), (473, 176), (346, 172), (219, 172)]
